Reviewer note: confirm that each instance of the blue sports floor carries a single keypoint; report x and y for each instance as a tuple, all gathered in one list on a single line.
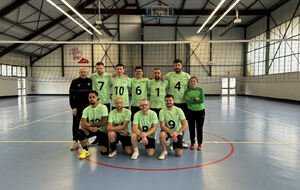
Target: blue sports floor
[(249, 144)]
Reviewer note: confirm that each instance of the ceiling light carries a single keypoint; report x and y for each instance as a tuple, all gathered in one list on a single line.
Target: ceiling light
[(229, 9), (78, 14), (70, 17), (211, 15)]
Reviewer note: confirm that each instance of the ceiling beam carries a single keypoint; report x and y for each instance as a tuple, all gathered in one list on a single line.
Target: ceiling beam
[(44, 28), (13, 6), (274, 7), (176, 12), (188, 25), (21, 52)]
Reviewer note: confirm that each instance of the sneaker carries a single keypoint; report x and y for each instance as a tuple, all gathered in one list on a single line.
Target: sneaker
[(84, 154), (199, 147), (88, 143), (192, 147), (171, 145), (95, 142), (74, 146), (134, 155), (184, 145), (163, 155), (112, 154)]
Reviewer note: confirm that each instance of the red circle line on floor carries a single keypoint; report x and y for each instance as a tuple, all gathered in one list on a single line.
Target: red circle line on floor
[(170, 169)]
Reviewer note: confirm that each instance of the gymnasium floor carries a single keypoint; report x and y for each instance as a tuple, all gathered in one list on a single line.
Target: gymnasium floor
[(249, 143)]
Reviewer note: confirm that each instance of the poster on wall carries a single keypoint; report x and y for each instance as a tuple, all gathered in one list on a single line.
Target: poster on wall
[(77, 55)]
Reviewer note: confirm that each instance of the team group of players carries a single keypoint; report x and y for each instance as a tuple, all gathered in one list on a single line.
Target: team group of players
[(90, 103)]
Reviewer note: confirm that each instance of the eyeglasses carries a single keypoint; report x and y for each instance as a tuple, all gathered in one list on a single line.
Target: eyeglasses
[(144, 105)]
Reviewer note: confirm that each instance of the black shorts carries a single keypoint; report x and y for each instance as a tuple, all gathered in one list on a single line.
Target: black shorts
[(125, 140), (156, 110), (103, 139), (178, 144), (182, 106), (108, 107), (133, 111), (151, 142)]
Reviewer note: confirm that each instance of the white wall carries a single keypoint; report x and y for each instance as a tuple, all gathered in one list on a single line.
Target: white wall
[(274, 86), (9, 85)]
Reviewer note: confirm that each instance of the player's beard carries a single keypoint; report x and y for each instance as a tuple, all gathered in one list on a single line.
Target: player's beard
[(157, 78), (92, 103), (177, 70)]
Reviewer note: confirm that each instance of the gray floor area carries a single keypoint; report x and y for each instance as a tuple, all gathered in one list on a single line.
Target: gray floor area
[(249, 143)]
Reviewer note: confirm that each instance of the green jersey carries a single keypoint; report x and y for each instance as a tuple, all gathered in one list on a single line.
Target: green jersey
[(158, 93), (178, 84), (101, 84), (145, 122), (139, 89), (120, 89), (117, 118), (94, 115), (192, 93), (172, 118)]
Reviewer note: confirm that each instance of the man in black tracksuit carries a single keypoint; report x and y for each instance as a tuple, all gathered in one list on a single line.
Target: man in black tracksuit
[(79, 92)]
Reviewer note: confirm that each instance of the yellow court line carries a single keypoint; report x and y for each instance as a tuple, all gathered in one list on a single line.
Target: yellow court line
[(205, 142), (19, 126)]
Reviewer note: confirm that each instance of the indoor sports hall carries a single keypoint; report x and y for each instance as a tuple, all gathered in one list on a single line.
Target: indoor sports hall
[(244, 53)]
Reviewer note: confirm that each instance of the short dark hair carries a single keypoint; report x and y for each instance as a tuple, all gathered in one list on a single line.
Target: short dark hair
[(178, 61), (193, 77), (156, 69), (94, 92), (138, 67), (169, 96), (120, 65), (99, 63)]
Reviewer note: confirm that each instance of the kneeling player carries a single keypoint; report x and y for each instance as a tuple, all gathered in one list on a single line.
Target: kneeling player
[(144, 128), (172, 124), (93, 123), (118, 129)]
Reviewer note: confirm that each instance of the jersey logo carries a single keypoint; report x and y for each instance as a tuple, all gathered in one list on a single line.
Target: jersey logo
[(78, 85), (89, 84)]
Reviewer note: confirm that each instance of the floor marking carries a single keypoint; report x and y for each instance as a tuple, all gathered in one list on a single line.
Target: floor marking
[(57, 121), (275, 121), (19, 126), (204, 142)]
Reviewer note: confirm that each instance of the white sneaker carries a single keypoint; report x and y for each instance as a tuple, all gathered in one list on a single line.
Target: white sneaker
[(163, 155), (134, 155), (112, 154), (171, 145), (184, 145), (88, 143), (74, 146)]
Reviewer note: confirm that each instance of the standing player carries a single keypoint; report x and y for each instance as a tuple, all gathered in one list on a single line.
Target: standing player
[(93, 123), (172, 124), (101, 84), (178, 84), (144, 128), (158, 89), (120, 85), (139, 89), (118, 129), (79, 91)]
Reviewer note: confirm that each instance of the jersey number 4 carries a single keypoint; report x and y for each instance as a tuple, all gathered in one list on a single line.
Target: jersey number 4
[(177, 86)]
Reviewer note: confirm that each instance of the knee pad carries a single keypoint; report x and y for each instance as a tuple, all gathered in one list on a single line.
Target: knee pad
[(80, 135)]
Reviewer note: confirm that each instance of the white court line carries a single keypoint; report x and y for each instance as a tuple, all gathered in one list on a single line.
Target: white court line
[(25, 124), (275, 121), (57, 121)]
